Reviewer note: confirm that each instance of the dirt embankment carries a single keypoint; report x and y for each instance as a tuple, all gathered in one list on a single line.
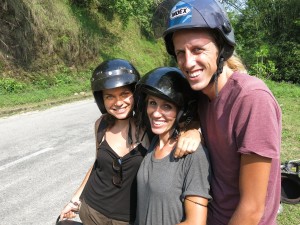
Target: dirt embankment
[(17, 36), (37, 37)]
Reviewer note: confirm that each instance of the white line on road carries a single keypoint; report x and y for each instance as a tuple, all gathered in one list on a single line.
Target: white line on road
[(25, 158)]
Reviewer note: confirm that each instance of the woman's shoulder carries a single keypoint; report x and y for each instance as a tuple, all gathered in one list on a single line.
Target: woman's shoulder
[(200, 154), (101, 120)]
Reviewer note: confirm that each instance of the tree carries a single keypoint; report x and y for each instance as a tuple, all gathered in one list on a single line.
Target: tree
[(140, 10), (273, 25)]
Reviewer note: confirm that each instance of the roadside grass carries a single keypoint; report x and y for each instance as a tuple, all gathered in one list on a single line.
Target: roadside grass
[(288, 97), (20, 96), (290, 215)]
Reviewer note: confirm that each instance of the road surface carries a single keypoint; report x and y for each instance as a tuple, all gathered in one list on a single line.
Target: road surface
[(44, 156)]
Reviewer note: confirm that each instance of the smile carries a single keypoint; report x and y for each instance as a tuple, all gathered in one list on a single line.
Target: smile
[(120, 110), (194, 74), (158, 122)]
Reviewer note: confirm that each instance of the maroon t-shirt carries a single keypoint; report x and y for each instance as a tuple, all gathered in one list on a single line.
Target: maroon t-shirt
[(244, 119)]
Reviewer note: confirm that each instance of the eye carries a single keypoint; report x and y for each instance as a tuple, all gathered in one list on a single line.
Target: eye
[(167, 107), (151, 103), (179, 52), (108, 97), (197, 50), (126, 94)]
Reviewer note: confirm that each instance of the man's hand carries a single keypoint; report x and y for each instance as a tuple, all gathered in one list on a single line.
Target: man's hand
[(188, 142)]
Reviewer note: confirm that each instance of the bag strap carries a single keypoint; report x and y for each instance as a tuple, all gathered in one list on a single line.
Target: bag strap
[(101, 130)]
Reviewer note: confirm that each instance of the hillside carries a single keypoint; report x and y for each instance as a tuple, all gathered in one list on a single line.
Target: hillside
[(39, 38)]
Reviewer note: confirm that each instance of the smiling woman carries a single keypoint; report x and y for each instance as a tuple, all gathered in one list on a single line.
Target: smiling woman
[(119, 152), (108, 193), (170, 191)]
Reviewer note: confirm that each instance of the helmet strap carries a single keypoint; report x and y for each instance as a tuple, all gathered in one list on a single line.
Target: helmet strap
[(220, 64)]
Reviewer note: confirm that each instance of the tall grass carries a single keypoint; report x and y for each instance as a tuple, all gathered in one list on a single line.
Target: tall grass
[(288, 97)]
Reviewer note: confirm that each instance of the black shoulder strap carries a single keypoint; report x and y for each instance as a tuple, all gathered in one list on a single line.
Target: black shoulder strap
[(100, 134), (101, 130)]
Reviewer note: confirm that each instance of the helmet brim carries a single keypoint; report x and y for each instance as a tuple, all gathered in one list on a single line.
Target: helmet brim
[(113, 82)]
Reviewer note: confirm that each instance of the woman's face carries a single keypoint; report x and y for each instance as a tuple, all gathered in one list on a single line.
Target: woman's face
[(118, 101), (196, 54), (162, 115)]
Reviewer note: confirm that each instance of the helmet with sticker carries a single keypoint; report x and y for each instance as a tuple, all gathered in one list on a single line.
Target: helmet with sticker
[(174, 15)]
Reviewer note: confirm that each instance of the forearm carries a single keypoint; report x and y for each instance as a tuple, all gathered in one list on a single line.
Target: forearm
[(246, 215), (194, 124), (253, 183)]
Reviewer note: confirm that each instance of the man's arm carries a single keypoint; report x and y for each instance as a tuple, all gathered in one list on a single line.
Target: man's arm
[(254, 177)]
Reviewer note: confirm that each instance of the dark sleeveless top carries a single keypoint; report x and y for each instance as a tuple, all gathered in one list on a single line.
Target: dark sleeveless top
[(101, 194)]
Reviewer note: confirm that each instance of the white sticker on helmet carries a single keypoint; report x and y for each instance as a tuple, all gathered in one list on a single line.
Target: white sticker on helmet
[(179, 12)]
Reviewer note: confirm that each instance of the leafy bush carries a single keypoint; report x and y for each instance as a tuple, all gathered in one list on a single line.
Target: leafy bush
[(287, 54), (10, 85), (140, 10)]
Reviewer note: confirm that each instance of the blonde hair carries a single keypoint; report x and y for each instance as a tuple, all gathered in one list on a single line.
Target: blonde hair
[(235, 63)]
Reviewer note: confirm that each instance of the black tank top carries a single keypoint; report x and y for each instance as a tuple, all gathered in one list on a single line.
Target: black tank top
[(101, 194)]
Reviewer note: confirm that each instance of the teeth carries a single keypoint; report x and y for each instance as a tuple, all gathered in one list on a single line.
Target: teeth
[(120, 110), (195, 74), (157, 122)]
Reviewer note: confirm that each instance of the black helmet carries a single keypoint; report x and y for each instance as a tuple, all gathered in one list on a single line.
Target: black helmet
[(170, 84), (67, 222), (173, 15), (112, 74), (290, 182)]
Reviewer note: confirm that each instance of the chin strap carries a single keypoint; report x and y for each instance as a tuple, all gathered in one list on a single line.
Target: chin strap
[(220, 64)]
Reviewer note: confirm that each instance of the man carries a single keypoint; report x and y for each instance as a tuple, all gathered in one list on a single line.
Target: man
[(240, 118)]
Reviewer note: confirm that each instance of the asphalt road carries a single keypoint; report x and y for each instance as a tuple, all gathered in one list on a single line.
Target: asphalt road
[(44, 156)]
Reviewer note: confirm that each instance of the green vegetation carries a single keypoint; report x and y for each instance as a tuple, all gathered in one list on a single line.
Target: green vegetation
[(61, 41), (56, 35), (267, 33), (60, 44), (66, 86), (288, 96)]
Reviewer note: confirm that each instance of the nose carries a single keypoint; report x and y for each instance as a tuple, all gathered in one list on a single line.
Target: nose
[(119, 101), (157, 112), (190, 60)]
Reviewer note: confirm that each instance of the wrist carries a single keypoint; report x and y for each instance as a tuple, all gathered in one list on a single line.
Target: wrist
[(76, 203)]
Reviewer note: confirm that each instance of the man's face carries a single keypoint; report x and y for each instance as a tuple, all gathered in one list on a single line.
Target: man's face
[(196, 54)]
